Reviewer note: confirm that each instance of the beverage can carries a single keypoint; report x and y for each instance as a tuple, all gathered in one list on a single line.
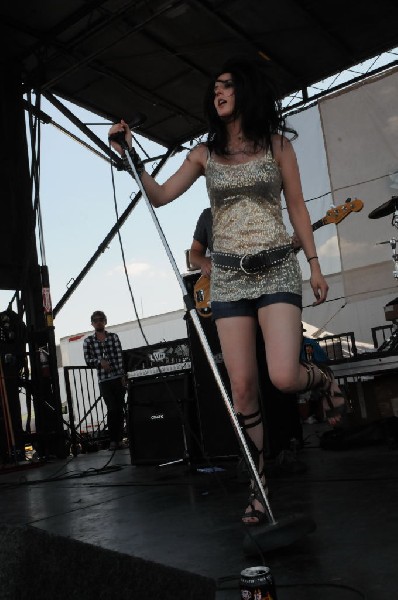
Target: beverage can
[(257, 583)]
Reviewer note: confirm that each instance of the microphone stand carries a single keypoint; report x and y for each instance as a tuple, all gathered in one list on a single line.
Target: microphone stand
[(190, 306)]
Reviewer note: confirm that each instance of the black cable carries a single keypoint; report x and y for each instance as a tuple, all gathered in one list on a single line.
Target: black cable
[(92, 471), (124, 258), (55, 477), (346, 187), (156, 363), (73, 475)]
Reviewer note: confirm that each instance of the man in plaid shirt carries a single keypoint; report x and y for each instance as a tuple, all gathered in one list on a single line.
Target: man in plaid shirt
[(103, 351)]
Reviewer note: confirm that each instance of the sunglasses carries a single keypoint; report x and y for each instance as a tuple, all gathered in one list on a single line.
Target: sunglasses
[(98, 319)]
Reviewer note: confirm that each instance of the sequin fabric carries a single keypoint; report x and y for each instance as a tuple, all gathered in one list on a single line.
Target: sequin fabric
[(247, 217)]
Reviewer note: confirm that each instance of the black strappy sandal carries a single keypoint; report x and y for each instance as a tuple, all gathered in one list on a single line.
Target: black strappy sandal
[(256, 455), (340, 412), (325, 386), (254, 513)]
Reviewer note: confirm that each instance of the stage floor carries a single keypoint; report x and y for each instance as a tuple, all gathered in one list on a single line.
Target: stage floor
[(190, 520)]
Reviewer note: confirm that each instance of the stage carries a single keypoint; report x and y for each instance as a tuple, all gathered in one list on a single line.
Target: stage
[(178, 528)]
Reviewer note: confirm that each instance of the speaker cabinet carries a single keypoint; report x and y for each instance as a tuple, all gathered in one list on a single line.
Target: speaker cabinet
[(218, 438), (160, 412)]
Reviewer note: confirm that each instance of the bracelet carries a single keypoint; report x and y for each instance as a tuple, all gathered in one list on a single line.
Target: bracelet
[(137, 162), (311, 258)]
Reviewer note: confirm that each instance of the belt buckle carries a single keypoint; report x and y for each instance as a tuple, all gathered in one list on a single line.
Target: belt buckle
[(241, 263)]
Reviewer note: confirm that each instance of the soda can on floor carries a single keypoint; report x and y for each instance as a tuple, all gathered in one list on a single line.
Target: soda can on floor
[(257, 583)]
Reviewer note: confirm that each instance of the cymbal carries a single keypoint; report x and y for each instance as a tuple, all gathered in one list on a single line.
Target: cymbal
[(385, 209)]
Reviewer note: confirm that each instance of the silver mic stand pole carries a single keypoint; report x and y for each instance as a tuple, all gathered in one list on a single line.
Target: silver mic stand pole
[(189, 303)]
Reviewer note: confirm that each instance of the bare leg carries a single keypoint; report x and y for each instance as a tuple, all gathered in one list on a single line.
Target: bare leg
[(238, 343), (281, 327)]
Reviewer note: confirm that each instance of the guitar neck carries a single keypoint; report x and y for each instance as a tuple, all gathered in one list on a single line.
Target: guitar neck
[(338, 213), (314, 226), (318, 224)]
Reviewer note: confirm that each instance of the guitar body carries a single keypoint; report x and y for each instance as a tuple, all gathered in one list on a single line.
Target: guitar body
[(201, 292), (334, 215)]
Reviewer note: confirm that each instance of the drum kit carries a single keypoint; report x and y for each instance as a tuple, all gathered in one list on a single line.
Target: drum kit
[(390, 208)]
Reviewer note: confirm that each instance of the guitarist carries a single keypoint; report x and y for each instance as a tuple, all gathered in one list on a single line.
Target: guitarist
[(202, 244)]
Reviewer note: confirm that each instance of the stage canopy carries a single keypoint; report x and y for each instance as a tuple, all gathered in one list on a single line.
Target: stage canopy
[(153, 58)]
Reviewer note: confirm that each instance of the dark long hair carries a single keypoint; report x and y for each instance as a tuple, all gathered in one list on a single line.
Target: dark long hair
[(257, 103)]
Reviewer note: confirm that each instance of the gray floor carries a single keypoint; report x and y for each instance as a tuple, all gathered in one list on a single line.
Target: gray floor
[(179, 517)]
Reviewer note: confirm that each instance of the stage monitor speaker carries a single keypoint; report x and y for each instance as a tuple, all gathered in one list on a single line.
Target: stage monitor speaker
[(160, 418), (72, 569), (217, 433)]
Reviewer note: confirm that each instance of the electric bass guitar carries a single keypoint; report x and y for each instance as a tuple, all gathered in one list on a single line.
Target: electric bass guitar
[(334, 215)]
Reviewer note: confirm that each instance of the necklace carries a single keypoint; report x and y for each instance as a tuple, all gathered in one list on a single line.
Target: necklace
[(246, 149), (239, 145), (240, 151)]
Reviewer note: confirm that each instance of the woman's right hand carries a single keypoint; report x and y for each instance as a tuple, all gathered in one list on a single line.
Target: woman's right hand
[(117, 128)]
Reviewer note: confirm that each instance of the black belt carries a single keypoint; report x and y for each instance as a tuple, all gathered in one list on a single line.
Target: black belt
[(252, 263)]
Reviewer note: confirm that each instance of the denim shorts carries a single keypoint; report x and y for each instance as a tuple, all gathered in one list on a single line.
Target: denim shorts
[(249, 308)]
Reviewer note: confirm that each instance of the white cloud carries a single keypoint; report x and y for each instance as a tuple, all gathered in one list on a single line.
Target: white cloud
[(133, 268), (394, 179), (329, 249)]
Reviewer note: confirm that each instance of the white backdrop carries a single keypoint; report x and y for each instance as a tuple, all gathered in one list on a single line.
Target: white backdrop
[(311, 157), (361, 133), (348, 145)]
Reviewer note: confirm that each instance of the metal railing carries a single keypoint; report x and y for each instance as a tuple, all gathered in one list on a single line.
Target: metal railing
[(388, 335), (339, 346), (86, 409)]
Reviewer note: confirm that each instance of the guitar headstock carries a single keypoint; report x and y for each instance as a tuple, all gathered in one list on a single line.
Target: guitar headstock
[(337, 214)]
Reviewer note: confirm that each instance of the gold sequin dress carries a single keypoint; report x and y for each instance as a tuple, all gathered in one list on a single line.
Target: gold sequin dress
[(246, 206)]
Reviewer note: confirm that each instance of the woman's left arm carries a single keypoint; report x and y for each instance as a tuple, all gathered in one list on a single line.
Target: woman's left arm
[(298, 213)]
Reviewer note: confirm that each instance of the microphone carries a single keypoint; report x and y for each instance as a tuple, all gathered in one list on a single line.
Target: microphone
[(137, 119), (118, 137)]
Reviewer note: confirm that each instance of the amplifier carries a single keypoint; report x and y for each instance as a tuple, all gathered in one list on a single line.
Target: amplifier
[(157, 359), (160, 370), (161, 417)]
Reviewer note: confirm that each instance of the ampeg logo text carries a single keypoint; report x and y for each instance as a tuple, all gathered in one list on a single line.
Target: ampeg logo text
[(157, 417)]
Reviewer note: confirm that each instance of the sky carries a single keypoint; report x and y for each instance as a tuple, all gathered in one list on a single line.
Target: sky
[(78, 211)]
